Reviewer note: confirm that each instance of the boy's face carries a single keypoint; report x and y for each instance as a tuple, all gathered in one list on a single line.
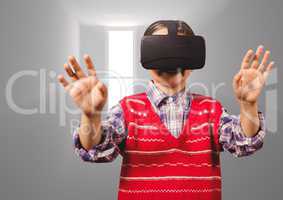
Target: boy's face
[(169, 79)]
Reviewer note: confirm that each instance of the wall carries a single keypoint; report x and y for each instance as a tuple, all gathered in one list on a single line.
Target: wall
[(36, 155)]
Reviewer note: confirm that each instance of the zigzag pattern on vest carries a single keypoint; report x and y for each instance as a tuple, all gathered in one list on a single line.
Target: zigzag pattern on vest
[(156, 165)]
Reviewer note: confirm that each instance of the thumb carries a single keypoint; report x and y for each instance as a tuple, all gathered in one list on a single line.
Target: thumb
[(102, 88), (237, 78)]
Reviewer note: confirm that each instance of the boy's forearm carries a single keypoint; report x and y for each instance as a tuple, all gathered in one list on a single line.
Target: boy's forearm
[(90, 130), (249, 118)]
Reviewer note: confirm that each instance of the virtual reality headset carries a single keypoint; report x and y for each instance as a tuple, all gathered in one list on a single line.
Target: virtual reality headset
[(172, 51)]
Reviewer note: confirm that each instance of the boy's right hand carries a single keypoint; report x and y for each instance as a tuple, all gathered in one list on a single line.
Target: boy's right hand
[(87, 92)]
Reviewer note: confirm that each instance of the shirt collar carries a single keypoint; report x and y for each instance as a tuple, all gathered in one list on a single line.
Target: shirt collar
[(156, 96)]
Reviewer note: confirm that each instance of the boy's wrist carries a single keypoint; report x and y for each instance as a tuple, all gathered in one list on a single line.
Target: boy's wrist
[(248, 105), (92, 116)]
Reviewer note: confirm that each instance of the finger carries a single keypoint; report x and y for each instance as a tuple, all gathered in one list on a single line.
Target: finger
[(78, 70), (237, 78), (63, 81), (247, 58), (97, 92), (264, 61), (70, 72), (268, 70), (89, 65), (255, 61), (104, 90), (101, 87)]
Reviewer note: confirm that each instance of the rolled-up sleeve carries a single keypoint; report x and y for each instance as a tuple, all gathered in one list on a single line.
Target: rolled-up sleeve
[(233, 139), (113, 133)]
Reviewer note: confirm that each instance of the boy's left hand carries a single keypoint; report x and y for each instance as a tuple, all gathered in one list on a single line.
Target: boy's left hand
[(249, 81)]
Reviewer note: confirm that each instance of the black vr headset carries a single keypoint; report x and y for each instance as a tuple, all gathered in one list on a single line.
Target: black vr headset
[(173, 51)]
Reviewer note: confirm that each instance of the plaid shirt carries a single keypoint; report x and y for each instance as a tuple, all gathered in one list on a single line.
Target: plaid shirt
[(173, 111)]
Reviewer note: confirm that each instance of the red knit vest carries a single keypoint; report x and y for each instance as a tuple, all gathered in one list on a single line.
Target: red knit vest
[(156, 165)]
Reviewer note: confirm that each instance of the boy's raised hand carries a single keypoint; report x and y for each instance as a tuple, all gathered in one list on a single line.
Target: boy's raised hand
[(88, 93), (249, 81)]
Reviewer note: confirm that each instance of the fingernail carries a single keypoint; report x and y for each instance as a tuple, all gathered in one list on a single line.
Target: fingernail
[(71, 57)]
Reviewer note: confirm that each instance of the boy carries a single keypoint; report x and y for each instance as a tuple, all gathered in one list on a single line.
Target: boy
[(169, 138)]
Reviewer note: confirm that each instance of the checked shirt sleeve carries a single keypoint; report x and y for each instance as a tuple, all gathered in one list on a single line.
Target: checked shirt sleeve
[(113, 133), (233, 139)]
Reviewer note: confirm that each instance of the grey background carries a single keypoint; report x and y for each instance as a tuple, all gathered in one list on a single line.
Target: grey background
[(36, 156)]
